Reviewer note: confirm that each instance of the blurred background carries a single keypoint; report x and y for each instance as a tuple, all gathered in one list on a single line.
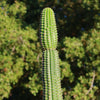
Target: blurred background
[(78, 25)]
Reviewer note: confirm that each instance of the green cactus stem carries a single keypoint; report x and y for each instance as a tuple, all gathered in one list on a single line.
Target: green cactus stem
[(48, 31), (50, 58), (51, 75)]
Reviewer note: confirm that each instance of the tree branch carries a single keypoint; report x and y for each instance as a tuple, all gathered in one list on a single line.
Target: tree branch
[(91, 83)]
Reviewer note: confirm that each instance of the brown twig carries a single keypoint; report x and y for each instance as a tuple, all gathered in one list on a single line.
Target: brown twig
[(91, 83), (38, 57)]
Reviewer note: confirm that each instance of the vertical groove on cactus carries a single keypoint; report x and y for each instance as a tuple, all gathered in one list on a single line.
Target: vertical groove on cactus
[(50, 58)]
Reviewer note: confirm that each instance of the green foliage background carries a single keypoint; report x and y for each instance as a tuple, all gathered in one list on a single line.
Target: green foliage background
[(78, 23)]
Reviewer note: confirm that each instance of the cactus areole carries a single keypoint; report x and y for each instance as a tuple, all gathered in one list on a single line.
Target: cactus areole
[(50, 58)]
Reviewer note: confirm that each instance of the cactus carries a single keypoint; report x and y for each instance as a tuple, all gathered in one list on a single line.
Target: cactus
[(50, 58)]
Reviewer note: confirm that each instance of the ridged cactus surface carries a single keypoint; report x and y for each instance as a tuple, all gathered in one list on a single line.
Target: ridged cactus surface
[(48, 31), (50, 58), (51, 75)]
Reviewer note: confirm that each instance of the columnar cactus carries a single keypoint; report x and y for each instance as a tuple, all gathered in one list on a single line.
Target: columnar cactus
[(50, 59)]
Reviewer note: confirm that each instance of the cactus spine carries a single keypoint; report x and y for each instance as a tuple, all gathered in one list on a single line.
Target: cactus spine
[(50, 58)]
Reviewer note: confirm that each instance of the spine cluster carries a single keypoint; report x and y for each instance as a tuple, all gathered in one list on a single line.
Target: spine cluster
[(50, 58)]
